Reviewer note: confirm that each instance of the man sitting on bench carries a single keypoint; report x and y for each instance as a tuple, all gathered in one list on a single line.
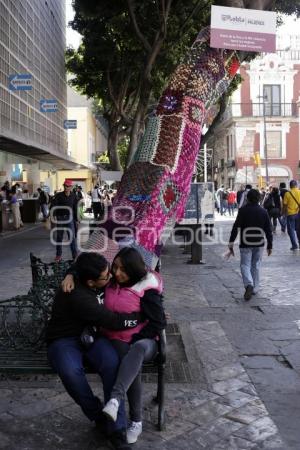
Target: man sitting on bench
[(70, 341)]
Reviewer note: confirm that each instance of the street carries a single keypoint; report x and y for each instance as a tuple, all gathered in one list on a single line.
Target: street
[(233, 380)]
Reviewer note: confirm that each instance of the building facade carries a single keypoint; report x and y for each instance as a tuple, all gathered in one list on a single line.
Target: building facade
[(258, 139), (32, 44)]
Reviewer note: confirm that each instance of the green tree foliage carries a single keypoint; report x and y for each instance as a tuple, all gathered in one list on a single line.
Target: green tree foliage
[(130, 48)]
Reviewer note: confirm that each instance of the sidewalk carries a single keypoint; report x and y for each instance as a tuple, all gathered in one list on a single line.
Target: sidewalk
[(233, 374)]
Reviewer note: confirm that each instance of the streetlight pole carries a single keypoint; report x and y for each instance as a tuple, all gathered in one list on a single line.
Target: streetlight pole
[(265, 138), (265, 142)]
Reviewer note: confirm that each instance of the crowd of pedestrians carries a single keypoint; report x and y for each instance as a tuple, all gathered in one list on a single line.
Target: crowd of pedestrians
[(258, 216)]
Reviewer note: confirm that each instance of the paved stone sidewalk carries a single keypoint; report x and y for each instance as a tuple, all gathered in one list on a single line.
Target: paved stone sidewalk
[(212, 404)]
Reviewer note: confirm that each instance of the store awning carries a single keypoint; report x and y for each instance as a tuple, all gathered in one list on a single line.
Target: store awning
[(274, 171), (41, 153)]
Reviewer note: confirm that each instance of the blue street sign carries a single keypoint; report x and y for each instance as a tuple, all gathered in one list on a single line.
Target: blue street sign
[(48, 105), (70, 124), (20, 82)]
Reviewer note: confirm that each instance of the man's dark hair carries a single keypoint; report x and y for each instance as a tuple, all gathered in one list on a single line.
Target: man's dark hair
[(293, 183), (133, 264), (89, 266), (253, 196), (282, 185), (248, 186)]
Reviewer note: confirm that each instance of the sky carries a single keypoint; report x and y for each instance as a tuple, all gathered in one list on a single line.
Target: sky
[(291, 25)]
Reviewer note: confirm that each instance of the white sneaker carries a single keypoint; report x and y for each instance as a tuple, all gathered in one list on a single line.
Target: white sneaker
[(111, 409), (133, 432)]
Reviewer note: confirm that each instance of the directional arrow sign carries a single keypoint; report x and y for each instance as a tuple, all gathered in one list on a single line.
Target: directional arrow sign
[(20, 82), (48, 105), (70, 124)]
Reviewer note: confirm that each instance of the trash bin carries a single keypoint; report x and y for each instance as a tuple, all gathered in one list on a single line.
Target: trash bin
[(30, 210)]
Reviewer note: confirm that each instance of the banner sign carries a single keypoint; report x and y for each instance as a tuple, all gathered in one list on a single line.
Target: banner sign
[(250, 30), (48, 105), (70, 124), (200, 206), (20, 82)]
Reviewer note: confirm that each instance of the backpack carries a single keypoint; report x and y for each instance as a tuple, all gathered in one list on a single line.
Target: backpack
[(268, 202)]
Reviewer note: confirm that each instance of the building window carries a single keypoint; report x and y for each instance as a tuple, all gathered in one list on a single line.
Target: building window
[(272, 99), (274, 144)]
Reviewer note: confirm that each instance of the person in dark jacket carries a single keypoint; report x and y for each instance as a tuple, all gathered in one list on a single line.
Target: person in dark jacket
[(132, 288), (64, 211), (67, 343), (282, 218), (254, 224), (272, 204)]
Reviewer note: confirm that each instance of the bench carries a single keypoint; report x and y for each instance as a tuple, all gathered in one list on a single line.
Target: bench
[(23, 321)]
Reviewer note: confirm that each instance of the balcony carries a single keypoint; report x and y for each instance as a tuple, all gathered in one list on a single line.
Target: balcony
[(257, 110)]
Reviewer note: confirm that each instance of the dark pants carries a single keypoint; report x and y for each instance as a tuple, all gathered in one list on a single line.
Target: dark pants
[(68, 228), (129, 374), (66, 357), (293, 229), (97, 210)]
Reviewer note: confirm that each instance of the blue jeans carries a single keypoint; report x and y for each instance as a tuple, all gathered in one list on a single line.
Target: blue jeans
[(250, 265), (66, 357), (292, 227), (69, 228), (282, 221)]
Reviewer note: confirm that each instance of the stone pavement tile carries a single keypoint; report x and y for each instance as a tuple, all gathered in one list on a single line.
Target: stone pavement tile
[(236, 399), (207, 413), (249, 389), (234, 443), (273, 442), (248, 413), (232, 384), (219, 430), (259, 430), (226, 372)]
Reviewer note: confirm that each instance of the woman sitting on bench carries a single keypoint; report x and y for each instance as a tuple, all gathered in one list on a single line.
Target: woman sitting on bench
[(132, 289)]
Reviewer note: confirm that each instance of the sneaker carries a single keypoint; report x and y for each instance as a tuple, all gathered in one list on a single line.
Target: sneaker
[(58, 259), (119, 441), (111, 409), (293, 248), (133, 432), (248, 292)]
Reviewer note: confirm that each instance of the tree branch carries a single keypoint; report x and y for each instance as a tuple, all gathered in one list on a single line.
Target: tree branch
[(216, 121), (138, 32)]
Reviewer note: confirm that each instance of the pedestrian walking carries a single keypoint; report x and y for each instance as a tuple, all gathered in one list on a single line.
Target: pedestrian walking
[(272, 203), (282, 218), (254, 224), (243, 197), (231, 202), (44, 200), (64, 210), (97, 205), (291, 207)]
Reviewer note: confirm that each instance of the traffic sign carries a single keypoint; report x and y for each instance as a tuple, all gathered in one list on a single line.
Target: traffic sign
[(48, 105), (70, 124), (20, 82)]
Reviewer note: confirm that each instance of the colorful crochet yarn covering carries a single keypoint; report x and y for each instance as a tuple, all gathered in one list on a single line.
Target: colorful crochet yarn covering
[(155, 188)]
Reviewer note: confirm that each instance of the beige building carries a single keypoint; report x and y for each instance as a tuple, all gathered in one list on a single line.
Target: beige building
[(85, 143)]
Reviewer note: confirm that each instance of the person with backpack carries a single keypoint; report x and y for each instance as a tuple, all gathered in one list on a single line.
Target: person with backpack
[(44, 200), (254, 225), (272, 203), (291, 207), (282, 218), (243, 198)]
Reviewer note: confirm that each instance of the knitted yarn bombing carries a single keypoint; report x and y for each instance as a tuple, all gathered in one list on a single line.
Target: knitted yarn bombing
[(170, 102), (170, 141), (180, 77), (194, 112), (169, 196), (139, 179), (99, 242), (148, 143)]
